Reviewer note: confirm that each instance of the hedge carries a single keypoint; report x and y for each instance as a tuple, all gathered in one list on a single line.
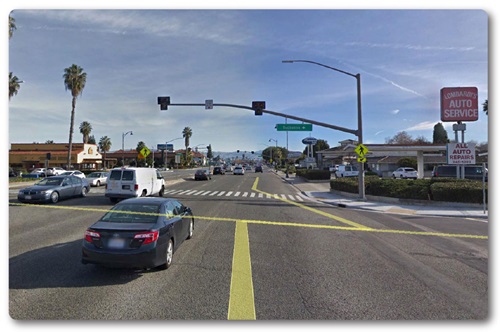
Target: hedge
[(314, 174), (449, 190)]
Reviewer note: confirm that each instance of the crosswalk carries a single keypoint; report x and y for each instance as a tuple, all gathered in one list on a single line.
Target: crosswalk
[(244, 194)]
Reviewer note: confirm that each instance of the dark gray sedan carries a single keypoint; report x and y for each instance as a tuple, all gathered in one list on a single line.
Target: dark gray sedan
[(53, 189), (141, 232)]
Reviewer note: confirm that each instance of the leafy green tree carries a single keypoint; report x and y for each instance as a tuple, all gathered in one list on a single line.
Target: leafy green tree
[(92, 140), (439, 136), (320, 145), (74, 80), (49, 141), (85, 129), (142, 162), (407, 162), (104, 146), (210, 154)]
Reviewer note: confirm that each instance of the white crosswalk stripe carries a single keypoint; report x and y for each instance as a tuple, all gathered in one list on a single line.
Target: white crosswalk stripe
[(247, 194)]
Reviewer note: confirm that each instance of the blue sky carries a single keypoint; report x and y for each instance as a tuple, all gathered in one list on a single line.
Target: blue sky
[(235, 56)]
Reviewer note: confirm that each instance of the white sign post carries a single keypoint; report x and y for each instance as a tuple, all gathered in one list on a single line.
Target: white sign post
[(461, 153)]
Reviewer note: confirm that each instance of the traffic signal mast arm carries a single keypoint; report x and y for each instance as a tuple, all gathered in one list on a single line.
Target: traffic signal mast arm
[(322, 124)]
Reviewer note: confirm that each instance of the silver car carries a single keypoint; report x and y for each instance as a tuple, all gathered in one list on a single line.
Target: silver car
[(53, 189), (96, 179)]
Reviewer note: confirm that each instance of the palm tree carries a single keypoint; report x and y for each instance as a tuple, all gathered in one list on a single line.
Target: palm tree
[(74, 80), (13, 85), (187, 133), (12, 26), (104, 146), (85, 129), (13, 80)]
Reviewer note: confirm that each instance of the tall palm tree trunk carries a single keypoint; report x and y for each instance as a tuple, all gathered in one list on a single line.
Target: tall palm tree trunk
[(70, 148)]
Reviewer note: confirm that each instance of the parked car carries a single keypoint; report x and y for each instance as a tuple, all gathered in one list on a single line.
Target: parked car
[(219, 170), (40, 171), (74, 173), (473, 172), (248, 168), (96, 179), (238, 170), (138, 233), (202, 174), (404, 173), (54, 188), (346, 171), (128, 182), (51, 171), (333, 168), (258, 169)]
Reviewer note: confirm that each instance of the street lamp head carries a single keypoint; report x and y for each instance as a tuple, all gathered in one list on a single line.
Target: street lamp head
[(287, 61)]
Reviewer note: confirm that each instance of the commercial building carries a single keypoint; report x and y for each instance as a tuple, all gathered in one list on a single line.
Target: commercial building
[(26, 156)]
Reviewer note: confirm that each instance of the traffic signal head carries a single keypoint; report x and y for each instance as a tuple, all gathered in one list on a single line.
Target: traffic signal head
[(258, 106), (163, 102)]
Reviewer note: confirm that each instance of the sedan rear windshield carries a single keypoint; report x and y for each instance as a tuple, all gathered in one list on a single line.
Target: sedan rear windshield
[(133, 213)]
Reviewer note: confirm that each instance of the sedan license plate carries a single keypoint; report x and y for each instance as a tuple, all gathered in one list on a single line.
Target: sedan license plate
[(27, 196), (116, 243)]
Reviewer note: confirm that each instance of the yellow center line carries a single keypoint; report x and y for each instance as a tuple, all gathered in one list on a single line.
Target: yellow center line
[(241, 296), (276, 223), (305, 207)]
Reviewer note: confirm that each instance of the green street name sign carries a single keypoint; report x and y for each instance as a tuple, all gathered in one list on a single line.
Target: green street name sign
[(294, 127)]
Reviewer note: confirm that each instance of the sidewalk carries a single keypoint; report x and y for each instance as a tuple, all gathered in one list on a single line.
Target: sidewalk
[(321, 192)]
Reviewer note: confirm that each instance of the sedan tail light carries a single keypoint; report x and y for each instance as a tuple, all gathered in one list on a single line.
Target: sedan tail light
[(91, 235), (147, 237)]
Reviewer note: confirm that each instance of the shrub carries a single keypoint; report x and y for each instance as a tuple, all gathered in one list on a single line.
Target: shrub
[(314, 174), (465, 191), (442, 189)]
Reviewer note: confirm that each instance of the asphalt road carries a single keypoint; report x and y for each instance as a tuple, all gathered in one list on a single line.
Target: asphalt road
[(261, 250)]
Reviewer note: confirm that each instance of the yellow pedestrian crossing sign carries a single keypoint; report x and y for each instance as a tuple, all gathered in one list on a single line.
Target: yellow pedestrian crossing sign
[(145, 152), (361, 150)]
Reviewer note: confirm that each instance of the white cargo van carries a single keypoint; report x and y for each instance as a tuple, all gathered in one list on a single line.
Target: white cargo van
[(346, 171), (134, 182)]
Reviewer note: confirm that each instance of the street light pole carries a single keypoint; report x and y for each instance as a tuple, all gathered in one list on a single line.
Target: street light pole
[(359, 132), (123, 145)]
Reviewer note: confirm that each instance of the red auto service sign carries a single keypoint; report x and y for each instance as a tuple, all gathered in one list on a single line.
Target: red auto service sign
[(459, 104)]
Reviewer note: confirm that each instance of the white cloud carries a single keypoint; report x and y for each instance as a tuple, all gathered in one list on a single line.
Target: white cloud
[(395, 111)]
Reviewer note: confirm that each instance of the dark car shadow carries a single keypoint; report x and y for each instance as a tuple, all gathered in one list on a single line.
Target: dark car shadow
[(60, 265)]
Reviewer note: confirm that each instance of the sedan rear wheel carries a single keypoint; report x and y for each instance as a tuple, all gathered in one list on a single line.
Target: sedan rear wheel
[(85, 190), (54, 197), (169, 255)]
